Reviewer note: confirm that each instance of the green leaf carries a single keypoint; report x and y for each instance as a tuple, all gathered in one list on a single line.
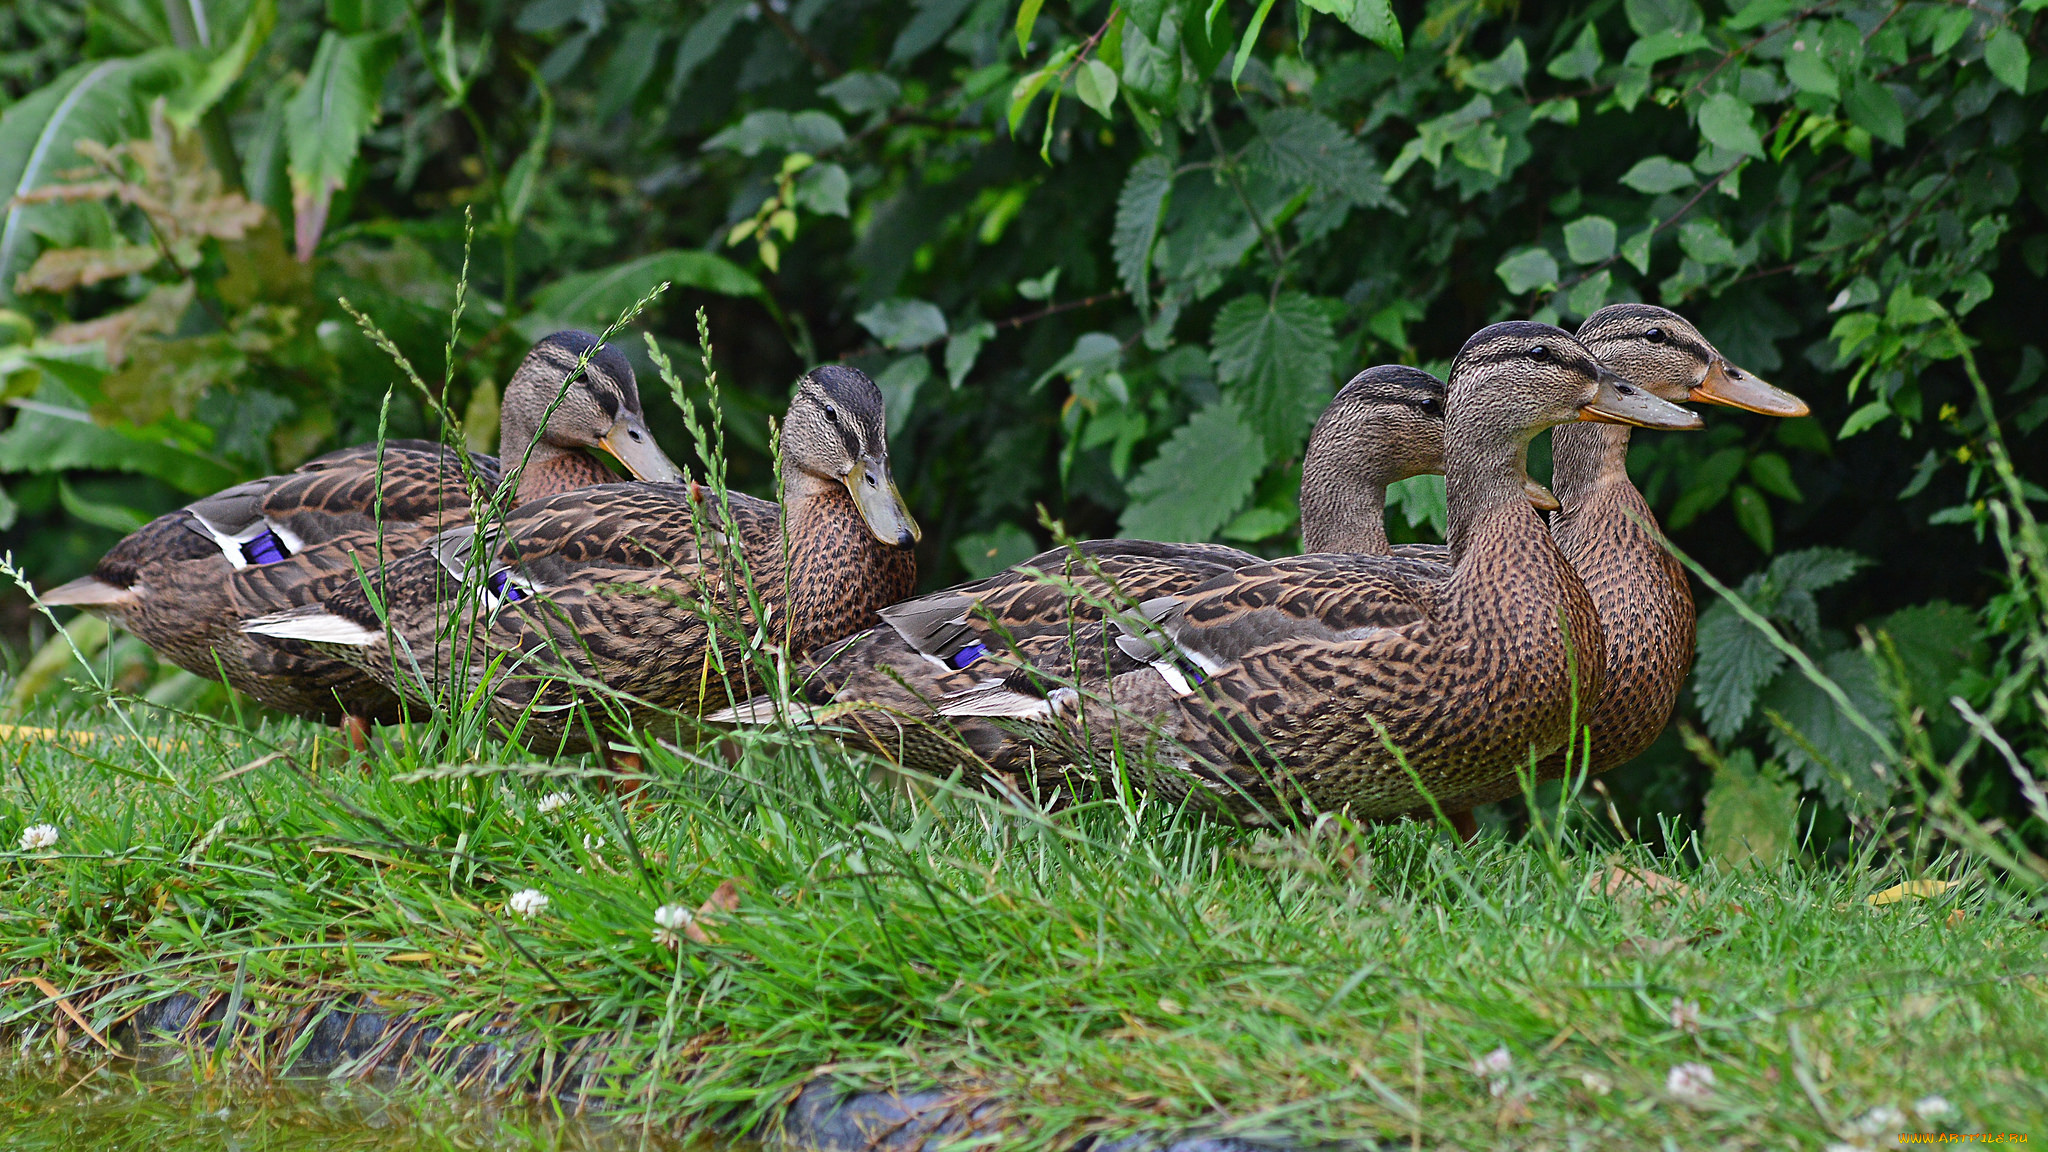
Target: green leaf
[(774, 129), (1094, 354), (1751, 815), (324, 127), (1275, 361), (823, 188), (1589, 239), (1026, 90), (1504, 71), (1200, 477), (963, 348), (1842, 772), (1039, 288), (899, 383), (1139, 209), (705, 37), (1753, 516), (1421, 500), (1812, 570), (1808, 68), (1730, 125), (1651, 51), (1096, 85), (1530, 270), (1375, 20), (1581, 60), (1588, 295), (102, 101), (1649, 17), (1251, 37), (1773, 474), (1735, 662), (104, 514), (1027, 19), (1656, 175), (1868, 416), (858, 93), (1872, 107), (904, 323), (224, 69), (2005, 53), (1307, 147), (1758, 13), (987, 553), (595, 299), (44, 441), (1258, 523), (520, 182), (1636, 249), (1704, 241), (1936, 643), (1152, 61)]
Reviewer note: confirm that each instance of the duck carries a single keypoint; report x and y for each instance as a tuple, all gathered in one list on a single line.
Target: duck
[(1362, 683), (184, 582), (621, 606), (1606, 529), (880, 688)]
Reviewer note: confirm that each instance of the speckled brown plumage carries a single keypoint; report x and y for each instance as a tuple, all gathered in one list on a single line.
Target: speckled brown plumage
[(175, 584), (1280, 687), (619, 585)]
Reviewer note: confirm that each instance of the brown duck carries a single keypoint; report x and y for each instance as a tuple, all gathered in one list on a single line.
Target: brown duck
[(1288, 685), (185, 581), (636, 588)]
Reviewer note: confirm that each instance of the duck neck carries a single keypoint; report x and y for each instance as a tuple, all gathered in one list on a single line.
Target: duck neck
[(1344, 511), (839, 574), (1484, 480), (1586, 459), (551, 469)]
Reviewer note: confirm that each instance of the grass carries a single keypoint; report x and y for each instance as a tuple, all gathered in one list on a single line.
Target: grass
[(1113, 966)]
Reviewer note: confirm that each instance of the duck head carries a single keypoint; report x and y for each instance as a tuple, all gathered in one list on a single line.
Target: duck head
[(1658, 349), (1520, 377), (551, 401), (836, 431)]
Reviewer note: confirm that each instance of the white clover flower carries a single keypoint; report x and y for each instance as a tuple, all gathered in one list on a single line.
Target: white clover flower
[(528, 902), (552, 801), (1596, 1083), (37, 837), (1494, 1063), (592, 843), (1685, 1015), (671, 919), (1881, 1119), (1930, 1107), (1690, 1082)]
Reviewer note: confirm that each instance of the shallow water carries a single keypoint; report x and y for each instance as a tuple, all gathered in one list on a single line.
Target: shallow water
[(104, 1109)]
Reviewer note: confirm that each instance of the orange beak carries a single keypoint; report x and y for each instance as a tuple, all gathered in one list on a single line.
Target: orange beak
[(1727, 384)]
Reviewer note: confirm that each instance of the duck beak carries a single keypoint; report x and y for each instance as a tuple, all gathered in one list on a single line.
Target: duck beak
[(1539, 497), (1620, 401), (631, 444), (1727, 384), (880, 504)]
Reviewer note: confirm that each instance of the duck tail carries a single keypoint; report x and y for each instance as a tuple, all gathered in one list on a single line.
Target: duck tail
[(1001, 698), (92, 594), (314, 625)]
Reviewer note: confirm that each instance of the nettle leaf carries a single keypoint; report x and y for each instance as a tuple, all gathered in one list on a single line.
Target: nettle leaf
[(1656, 175), (1152, 59), (324, 126), (1751, 815), (1735, 662), (1504, 71), (1589, 239), (1275, 360), (904, 323), (1200, 477), (1730, 125), (1581, 60), (1872, 107), (1139, 209), (1421, 500), (1530, 270), (2005, 53), (1310, 148), (1824, 746), (1936, 642), (1375, 20), (1810, 570)]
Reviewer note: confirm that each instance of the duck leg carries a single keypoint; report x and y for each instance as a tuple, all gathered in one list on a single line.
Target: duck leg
[(357, 729), (622, 764)]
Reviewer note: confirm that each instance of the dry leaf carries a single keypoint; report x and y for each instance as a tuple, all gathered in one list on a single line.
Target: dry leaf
[(155, 314), (1911, 889), (51, 993), (726, 899), (1629, 883), (62, 269)]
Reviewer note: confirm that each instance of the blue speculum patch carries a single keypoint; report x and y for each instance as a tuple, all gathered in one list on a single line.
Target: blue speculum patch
[(264, 548), (501, 584), (975, 650)]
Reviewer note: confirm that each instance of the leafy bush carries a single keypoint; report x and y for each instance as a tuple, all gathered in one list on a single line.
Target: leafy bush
[(1104, 258)]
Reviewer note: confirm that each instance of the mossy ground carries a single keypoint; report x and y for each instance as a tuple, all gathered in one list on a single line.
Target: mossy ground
[(1115, 965)]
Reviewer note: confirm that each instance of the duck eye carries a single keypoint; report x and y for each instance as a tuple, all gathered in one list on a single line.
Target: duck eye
[(1539, 352), (1430, 407), (831, 413), (1654, 335)]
